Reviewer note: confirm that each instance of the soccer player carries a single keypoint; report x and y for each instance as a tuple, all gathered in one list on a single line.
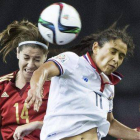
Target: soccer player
[(82, 89), (32, 51)]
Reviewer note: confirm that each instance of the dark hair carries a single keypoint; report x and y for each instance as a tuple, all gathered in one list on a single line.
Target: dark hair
[(17, 32), (102, 37)]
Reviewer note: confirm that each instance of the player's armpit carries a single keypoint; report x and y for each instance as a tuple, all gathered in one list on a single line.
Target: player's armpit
[(110, 117)]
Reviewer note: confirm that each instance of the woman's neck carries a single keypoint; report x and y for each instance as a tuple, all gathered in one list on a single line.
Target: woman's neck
[(94, 59), (20, 80)]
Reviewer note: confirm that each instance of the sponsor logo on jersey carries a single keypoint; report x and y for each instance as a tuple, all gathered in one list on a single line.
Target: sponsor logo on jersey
[(52, 135), (4, 94)]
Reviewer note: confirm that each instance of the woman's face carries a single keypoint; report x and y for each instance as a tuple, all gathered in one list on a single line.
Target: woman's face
[(109, 57), (29, 60)]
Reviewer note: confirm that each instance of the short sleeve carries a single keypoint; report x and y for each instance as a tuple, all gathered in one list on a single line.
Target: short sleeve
[(1, 91), (66, 62), (111, 98), (110, 106)]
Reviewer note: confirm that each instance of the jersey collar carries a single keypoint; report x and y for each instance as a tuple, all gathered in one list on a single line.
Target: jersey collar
[(113, 78)]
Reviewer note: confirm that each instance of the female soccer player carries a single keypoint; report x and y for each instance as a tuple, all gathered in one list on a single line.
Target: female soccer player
[(82, 89), (32, 52)]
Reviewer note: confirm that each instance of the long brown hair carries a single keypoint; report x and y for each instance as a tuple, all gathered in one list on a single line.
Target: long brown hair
[(102, 37), (17, 32)]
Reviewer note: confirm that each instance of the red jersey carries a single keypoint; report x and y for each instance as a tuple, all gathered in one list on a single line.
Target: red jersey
[(14, 111)]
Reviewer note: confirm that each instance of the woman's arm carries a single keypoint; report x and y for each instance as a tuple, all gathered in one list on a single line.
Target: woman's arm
[(45, 71), (26, 129), (118, 130)]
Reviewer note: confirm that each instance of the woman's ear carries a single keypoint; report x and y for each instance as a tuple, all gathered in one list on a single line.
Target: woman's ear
[(95, 48)]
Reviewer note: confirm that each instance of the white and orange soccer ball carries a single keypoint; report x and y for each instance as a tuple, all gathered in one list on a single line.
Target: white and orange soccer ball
[(59, 23)]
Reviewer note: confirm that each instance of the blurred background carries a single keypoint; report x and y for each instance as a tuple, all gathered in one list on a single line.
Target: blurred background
[(96, 15)]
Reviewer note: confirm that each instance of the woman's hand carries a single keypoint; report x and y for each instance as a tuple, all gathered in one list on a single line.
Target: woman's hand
[(26, 129)]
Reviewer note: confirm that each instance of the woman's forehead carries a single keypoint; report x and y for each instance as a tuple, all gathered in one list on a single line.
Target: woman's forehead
[(118, 45), (32, 51)]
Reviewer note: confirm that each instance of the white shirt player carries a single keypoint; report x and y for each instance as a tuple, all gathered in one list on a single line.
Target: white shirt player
[(79, 98)]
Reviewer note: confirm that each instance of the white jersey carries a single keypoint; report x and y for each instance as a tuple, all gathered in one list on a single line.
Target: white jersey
[(79, 99)]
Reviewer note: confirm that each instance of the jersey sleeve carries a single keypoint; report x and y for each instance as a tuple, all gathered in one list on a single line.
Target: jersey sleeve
[(1, 90), (110, 106), (111, 98), (4, 80), (66, 62)]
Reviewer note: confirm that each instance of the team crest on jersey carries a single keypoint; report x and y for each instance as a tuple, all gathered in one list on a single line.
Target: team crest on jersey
[(66, 17), (62, 57)]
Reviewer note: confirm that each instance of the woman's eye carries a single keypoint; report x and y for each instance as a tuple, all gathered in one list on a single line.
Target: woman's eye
[(37, 60), (26, 58), (113, 52)]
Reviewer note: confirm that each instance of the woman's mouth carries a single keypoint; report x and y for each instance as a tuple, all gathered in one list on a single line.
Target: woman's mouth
[(29, 72)]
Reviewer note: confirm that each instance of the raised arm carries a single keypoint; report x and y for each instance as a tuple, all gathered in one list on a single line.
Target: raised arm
[(118, 130), (45, 71)]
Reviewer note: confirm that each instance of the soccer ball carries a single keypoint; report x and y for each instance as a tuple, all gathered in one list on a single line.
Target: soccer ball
[(59, 23)]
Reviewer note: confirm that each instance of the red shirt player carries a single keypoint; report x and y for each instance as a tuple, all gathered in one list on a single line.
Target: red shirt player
[(13, 108), (32, 52)]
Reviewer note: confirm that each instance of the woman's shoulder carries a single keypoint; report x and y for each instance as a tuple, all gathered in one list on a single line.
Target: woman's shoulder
[(66, 54), (71, 56), (7, 77), (4, 80), (69, 53)]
